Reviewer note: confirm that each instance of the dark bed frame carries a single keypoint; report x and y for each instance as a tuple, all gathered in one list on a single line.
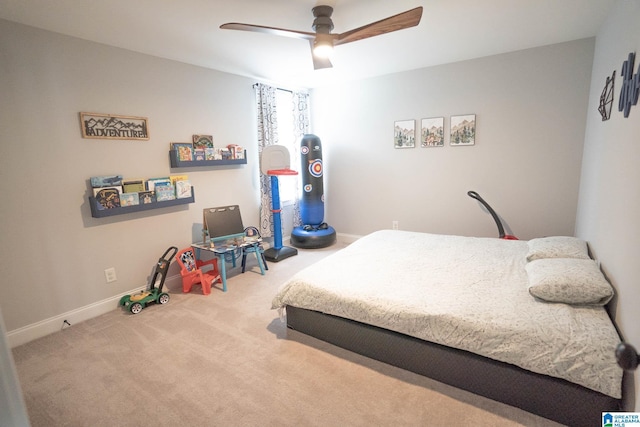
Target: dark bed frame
[(549, 397)]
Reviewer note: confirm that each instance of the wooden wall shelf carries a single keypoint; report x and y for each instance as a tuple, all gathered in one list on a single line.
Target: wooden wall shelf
[(177, 163), (97, 213)]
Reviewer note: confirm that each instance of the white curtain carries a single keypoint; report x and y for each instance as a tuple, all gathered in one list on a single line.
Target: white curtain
[(301, 127), (267, 135)]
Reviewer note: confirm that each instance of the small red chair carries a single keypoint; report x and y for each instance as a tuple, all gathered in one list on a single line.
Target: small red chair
[(191, 271)]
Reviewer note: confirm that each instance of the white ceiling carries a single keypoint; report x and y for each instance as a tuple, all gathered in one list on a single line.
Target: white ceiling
[(188, 31)]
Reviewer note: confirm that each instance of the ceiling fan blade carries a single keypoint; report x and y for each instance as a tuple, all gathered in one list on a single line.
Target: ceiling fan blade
[(269, 30), (319, 63), (403, 20)]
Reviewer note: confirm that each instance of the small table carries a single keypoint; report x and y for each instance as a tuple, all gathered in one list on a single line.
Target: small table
[(220, 252)]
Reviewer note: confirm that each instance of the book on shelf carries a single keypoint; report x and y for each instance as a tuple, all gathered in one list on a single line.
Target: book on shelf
[(106, 181), (202, 141), (226, 154), (183, 189), (198, 154), (237, 152), (138, 191), (133, 186), (145, 197), (184, 150), (129, 199), (176, 178), (210, 154), (164, 191), (152, 182), (107, 197)]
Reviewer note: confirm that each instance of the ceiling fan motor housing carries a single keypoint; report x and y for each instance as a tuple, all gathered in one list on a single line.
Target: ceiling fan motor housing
[(323, 23)]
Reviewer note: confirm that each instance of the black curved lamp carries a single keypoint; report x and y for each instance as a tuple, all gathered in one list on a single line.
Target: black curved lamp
[(627, 356)]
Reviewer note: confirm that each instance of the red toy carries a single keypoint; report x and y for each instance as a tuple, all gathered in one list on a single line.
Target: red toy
[(191, 271)]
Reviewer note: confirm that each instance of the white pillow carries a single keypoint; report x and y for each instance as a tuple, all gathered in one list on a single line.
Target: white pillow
[(557, 247), (568, 280)]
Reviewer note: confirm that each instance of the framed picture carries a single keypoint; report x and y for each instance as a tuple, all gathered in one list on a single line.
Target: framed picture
[(463, 130), (432, 132), (404, 134), (111, 126)]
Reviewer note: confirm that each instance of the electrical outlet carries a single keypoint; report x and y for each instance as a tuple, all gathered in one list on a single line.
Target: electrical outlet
[(394, 225), (110, 275)]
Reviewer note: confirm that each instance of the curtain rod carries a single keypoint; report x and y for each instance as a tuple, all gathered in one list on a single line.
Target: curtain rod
[(277, 88)]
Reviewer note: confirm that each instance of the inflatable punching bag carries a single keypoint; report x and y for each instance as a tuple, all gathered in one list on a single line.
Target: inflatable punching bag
[(314, 233)]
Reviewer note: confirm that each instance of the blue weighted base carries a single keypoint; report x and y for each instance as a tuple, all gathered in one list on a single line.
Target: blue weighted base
[(313, 239)]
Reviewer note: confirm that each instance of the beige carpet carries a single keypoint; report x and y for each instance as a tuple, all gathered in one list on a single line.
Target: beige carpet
[(228, 360)]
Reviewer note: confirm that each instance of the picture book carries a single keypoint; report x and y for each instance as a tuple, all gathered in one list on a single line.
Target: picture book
[(129, 199), (175, 178), (183, 189), (202, 141), (210, 154), (198, 154), (226, 153), (133, 186), (145, 197), (164, 192), (236, 151), (97, 191), (184, 150), (106, 181), (151, 182), (107, 197)]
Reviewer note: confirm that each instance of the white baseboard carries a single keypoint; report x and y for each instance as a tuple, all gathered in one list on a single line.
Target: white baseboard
[(54, 324)]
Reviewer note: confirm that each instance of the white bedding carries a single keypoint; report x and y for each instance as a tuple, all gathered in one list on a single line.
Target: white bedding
[(463, 292)]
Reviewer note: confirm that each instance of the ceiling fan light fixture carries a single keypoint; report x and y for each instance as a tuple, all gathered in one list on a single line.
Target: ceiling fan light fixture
[(323, 46), (322, 40)]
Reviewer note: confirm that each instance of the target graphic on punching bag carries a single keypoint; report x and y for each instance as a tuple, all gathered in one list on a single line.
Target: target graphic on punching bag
[(315, 168)]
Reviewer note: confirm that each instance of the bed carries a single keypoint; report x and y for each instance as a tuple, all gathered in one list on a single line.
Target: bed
[(521, 322)]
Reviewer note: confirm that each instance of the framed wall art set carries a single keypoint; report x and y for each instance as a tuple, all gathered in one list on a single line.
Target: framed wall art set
[(462, 131)]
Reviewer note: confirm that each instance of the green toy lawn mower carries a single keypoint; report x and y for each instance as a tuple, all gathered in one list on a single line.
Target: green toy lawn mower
[(136, 302)]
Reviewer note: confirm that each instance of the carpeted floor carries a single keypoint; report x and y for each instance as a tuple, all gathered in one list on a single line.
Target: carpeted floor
[(227, 359)]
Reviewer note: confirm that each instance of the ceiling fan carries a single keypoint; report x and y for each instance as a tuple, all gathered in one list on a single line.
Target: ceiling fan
[(322, 40)]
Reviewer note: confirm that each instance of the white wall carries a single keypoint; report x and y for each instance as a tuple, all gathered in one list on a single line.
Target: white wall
[(609, 206), (531, 111), (53, 252)]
